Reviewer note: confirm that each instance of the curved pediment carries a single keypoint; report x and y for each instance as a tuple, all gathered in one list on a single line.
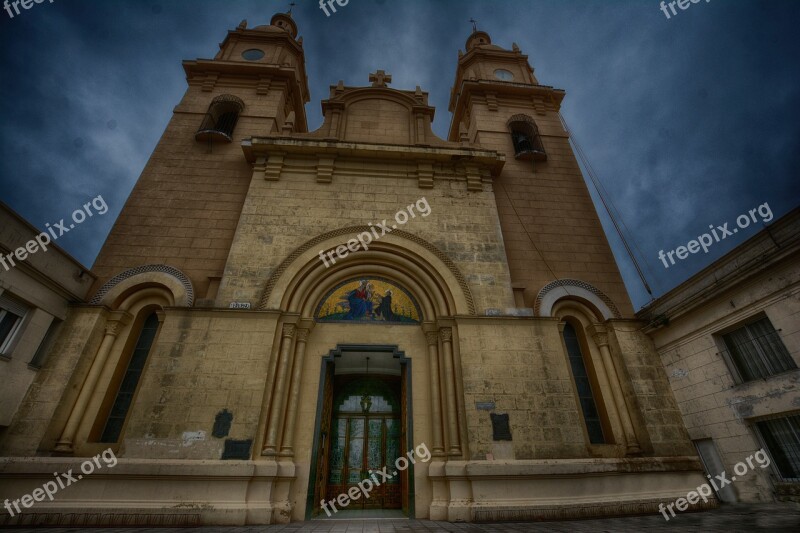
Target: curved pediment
[(372, 118), (378, 114)]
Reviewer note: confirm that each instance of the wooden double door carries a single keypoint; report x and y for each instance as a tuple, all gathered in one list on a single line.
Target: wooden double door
[(362, 433), (362, 444)]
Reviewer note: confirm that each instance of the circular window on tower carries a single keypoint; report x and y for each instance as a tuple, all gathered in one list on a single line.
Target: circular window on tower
[(503, 74), (254, 54)]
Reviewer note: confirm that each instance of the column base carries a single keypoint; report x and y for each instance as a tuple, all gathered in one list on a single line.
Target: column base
[(63, 447)]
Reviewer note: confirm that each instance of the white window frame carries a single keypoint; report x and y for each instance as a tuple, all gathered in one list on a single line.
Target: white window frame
[(7, 344)]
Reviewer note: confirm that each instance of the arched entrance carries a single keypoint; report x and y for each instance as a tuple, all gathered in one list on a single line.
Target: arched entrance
[(363, 421), (401, 292)]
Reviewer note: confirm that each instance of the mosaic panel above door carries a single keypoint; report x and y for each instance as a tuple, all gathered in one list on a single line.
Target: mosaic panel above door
[(369, 300)]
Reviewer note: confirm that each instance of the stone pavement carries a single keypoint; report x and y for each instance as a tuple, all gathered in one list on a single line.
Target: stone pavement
[(730, 519)]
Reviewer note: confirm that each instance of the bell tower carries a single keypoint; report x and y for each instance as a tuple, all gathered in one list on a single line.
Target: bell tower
[(550, 227), (185, 206)]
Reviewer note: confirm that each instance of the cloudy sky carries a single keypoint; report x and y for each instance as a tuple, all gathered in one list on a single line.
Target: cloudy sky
[(688, 121)]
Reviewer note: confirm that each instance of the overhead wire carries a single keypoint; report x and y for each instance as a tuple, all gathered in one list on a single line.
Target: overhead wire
[(610, 208)]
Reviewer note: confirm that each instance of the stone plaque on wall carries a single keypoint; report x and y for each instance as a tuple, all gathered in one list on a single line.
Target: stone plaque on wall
[(237, 449), (222, 424), (501, 430)]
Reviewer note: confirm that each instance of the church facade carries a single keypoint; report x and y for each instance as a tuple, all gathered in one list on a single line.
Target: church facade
[(281, 313)]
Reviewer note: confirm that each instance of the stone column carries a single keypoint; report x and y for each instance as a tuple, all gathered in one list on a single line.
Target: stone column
[(446, 334), (294, 392), (114, 324), (436, 398), (279, 391), (600, 337)]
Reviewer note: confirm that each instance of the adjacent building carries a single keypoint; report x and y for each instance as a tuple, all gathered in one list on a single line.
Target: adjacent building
[(35, 293), (729, 338)]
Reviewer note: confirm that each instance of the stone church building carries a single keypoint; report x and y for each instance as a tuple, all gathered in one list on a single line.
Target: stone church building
[(278, 313)]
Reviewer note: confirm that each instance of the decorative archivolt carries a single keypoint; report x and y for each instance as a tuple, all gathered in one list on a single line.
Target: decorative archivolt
[(176, 281), (564, 288), (316, 243)]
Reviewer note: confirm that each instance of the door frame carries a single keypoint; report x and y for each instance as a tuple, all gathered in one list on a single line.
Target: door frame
[(329, 361)]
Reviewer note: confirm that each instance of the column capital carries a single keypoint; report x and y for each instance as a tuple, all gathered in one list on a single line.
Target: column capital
[(116, 321), (432, 337), (599, 334), (446, 334), (289, 331), (302, 335)]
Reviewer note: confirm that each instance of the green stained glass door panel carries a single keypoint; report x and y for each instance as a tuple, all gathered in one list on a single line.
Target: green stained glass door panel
[(338, 441), (392, 446), (355, 452), (375, 444)]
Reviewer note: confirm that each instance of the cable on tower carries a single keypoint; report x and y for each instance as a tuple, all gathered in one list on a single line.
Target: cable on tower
[(609, 206)]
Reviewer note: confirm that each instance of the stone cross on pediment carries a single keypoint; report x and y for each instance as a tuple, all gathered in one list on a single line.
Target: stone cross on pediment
[(380, 79)]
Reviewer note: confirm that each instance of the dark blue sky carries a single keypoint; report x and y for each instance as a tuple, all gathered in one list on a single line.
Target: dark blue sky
[(688, 122)]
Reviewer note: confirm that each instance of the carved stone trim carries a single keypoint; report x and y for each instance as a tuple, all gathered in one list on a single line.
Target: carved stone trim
[(302, 335), (210, 81), (491, 101), (432, 337), (473, 178), (599, 334), (116, 321), (354, 230), (325, 168), (274, 166), (166, 269), (263, 85), (289, 330), (425, 175), (566, 284)]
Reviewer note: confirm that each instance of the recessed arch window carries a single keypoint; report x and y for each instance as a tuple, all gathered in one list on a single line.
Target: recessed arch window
[(123, 399), (526, 139), (583, 385), (220, 119)]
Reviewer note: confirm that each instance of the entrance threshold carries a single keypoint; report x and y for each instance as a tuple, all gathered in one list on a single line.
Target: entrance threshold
[(364, 514)]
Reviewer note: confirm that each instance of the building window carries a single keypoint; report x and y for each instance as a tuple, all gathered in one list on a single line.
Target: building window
[(12, 313), (253, 54), (127, 388), (756, 351), (221, 118), (591, 415), (526, 139), (782, 438)]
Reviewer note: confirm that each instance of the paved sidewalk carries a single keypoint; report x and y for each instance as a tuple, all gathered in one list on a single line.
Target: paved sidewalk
[(729, 519)]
